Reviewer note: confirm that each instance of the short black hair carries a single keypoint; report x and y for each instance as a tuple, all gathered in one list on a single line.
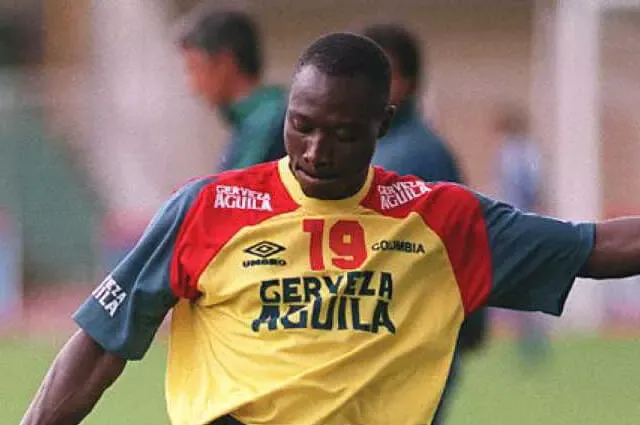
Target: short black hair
[(401, 45), (216, 30), (347, 55)]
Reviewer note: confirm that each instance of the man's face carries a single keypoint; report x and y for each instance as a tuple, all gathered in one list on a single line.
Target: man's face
[(208, 75), (331, 130)]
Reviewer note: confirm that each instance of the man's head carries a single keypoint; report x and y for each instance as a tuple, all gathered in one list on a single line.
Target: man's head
[(222, 53), (403, 51), (338, 108)]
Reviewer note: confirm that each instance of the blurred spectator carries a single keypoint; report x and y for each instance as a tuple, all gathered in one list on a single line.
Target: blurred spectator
[(412, 147), (520, 184), (223, 57), (519, 162)]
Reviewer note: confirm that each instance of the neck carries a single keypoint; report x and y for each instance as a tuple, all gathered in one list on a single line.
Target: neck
[(241, 88)]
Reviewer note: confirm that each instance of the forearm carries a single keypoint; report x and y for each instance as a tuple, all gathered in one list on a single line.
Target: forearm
[(616, 250), (76, 380)]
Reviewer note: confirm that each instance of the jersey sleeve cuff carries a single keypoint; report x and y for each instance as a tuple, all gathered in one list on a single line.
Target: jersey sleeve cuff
[(555, 305), (93, 320)]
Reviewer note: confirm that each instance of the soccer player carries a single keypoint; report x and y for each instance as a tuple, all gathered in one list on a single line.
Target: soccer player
[(411, 147), (224, 62), (317, 289)]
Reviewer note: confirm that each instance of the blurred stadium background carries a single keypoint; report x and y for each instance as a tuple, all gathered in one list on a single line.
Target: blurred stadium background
[(97, 126)]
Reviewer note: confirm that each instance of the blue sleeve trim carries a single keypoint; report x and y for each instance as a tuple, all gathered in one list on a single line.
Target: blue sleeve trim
[(125, 311), (535, 259)]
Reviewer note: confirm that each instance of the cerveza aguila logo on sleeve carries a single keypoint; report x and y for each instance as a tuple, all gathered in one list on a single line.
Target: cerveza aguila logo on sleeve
[(400, 193), (241, 198), (109, 295), (355, 300)]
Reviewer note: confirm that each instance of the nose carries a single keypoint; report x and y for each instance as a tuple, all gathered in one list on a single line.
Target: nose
[(318, 151)]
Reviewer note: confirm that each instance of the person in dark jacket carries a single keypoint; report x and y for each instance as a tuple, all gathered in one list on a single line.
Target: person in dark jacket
[(222, 52)]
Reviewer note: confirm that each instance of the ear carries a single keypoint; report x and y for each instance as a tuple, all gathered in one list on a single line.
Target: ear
[(389, 112)]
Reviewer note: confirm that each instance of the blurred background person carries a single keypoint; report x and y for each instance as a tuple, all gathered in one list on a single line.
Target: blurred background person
[(519, 161), (519, 181), (223, 56), (412, 147)]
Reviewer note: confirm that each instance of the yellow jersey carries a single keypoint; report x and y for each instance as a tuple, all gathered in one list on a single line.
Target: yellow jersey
[(289, 310)]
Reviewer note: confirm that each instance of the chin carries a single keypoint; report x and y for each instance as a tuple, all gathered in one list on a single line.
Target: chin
[(321, 191), (329, 191)]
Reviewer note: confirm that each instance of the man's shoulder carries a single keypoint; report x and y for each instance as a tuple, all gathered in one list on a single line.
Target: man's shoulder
[(259, 175), (386, 177), (398, 195), (256, 189), (230, 202)]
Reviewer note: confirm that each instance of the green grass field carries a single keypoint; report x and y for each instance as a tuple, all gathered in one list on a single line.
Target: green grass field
[(584, 382)]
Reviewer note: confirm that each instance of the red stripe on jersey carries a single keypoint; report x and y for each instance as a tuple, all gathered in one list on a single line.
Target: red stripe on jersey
[(206, 229), (456, 216)]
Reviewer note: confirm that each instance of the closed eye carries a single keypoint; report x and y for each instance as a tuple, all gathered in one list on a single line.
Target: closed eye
[(300, 125), (345, 135)]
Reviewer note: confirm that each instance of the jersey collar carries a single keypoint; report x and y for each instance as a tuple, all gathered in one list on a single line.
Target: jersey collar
[(320, 205)]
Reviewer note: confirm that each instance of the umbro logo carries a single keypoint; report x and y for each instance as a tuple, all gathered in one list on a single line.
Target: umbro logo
[(264, 250)]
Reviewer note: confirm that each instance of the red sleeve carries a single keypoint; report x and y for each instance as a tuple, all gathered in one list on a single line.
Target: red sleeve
[(457, 218), (207, 229)]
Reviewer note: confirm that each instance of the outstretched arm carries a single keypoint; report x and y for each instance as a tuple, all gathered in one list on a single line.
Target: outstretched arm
[(119, 320), (616, 251), (79, 375)]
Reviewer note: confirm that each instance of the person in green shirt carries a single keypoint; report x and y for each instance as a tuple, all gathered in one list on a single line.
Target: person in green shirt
[(222, 53)]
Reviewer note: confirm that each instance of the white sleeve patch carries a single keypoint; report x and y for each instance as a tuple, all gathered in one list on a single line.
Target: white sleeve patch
[(400, 193), (109, 295)]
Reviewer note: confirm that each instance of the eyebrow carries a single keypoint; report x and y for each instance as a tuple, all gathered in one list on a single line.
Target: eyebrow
[(338, 124)]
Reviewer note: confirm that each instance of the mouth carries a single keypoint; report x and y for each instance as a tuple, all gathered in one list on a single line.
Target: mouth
[(316, 177)]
